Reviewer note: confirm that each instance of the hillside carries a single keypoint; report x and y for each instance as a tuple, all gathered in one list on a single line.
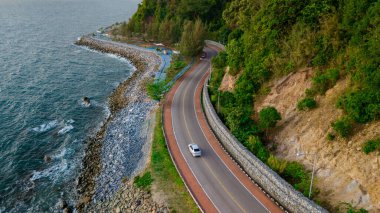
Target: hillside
[(343, 172), (297, 76)]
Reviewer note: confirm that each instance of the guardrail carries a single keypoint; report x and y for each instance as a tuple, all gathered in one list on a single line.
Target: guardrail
[(170, 84), (269, 180)]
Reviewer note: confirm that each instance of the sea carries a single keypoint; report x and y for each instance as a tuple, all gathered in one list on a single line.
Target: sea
[(43, 79)]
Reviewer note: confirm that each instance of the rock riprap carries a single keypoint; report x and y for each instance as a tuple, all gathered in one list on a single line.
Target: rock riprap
[(129, 199), (120, 150)]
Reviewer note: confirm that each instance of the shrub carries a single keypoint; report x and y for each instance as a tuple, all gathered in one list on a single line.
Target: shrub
[(176, 66), (155, 89), (306, 103), (179, 64), (219, 61), (343, 127), (324, 51), (362, 106), (310, 92), (254, 145), (296, 175), (268, 117), (324, 81), (351, 209), (276, 164), (330, 137), (144, 181), (371, 146), (238, 120)]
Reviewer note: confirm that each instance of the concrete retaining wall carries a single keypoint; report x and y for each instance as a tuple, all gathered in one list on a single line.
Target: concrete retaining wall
[(270, 181), (216, 44)]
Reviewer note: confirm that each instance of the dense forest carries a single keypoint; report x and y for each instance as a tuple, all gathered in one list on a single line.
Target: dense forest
[(267, 39)]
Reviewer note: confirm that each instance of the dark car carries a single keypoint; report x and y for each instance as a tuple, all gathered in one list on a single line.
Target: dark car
[(203, 55)]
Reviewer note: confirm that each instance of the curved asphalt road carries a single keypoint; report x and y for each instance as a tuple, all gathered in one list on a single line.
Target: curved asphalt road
[(220, 185)]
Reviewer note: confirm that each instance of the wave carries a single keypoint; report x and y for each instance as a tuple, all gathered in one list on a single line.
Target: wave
[(65, 129), (53, 172), (60, 155), (122, 59), (70, 121), (118, 58), (46, 126)]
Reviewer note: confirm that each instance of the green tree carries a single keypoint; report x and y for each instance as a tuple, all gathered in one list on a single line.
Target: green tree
[(219, 61), (164, 33), (268, 117), (124, 29), (192, 39), (193, 9), (235, 57)]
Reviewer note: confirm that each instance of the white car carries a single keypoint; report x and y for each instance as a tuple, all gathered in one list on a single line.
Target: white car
[(195, 150)]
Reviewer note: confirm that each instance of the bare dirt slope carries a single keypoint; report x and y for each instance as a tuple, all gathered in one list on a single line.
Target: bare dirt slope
[(344, 173), (228, 82)]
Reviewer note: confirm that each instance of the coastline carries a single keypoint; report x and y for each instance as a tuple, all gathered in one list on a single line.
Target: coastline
[(120, 149)]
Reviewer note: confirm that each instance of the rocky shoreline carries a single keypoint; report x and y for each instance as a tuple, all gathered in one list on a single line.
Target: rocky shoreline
[(129, 199), (121, 148)]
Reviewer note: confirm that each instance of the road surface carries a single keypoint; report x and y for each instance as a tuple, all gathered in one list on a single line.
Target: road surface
[(224, 186)]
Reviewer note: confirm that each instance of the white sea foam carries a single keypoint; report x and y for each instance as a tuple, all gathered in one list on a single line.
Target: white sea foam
[(118, 57), (53, 172), (70, 121), (60, 155), (107, 54), (107, 111), (65, 129), (46, 126)]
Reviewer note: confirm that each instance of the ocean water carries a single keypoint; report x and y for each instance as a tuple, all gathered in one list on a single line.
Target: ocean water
[(43, 78)]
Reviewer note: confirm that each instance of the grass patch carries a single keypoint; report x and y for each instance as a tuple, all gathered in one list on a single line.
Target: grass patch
[(144, 181), (177, 64), (165, 174)]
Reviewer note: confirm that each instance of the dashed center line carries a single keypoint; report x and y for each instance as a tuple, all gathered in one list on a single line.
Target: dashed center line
[(205, 162)]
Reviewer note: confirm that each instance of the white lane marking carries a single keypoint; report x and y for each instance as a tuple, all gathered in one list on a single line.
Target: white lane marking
[(188, 165), (227, 152)]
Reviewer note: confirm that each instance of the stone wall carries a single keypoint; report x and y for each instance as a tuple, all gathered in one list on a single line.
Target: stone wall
[(270, 181)]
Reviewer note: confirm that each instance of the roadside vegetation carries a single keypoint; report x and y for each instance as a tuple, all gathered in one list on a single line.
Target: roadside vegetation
[(156, 89), (145, 181), (165, 176), (162, 177)]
